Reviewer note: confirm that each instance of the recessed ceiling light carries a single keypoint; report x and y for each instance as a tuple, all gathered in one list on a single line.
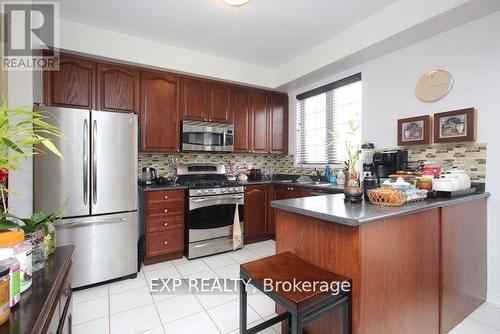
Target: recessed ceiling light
[(235, 2)]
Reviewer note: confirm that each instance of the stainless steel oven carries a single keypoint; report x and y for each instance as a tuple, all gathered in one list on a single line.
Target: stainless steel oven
[(207, 136), (210, 220)]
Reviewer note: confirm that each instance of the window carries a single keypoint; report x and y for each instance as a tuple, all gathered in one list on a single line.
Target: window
[(325, 118)]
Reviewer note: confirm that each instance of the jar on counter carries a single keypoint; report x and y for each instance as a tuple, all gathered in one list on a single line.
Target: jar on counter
[(7, 259), (4, 294), (22, 252)]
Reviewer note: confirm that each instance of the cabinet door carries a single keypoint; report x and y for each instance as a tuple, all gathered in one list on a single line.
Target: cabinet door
[(300, 192), (160, 124), (218, 103), (255, 211), (242, 125), (73, 85), (278, 127), (282, 192), (193, 100), (118, 88), (259, 123)]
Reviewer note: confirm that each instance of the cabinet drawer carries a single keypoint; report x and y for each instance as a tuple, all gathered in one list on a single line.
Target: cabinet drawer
[(160, 243), (163, 211), (171, 221), (165, 197)]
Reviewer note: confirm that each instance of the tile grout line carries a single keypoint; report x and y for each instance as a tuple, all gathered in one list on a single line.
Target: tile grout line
[(208, 314), (109, 310), (483, 323)]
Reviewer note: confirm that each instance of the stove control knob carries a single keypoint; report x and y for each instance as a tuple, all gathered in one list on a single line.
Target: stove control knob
[(214, 190), (206, 191), (198, 192), (223, 190)]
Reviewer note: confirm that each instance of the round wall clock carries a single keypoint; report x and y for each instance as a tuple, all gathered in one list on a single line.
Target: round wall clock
[(434, 85)]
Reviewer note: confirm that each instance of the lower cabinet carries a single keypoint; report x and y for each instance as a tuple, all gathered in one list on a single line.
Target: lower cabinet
[(164, 223), (256, 202)]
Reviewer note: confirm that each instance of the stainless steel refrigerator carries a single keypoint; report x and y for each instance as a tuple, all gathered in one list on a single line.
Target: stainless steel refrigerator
[(97, 181)]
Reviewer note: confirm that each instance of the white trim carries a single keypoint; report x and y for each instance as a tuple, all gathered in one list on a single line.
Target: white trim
[(493, 298)]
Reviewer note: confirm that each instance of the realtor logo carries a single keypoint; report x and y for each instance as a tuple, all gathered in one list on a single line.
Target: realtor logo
[(29, 28)]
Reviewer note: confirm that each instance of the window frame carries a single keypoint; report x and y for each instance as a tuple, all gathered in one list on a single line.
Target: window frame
[(314, 92)]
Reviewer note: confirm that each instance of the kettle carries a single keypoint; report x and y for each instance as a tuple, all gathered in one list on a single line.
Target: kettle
[(149, 174)]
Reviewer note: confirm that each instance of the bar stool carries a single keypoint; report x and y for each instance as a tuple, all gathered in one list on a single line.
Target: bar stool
[(269, 276)]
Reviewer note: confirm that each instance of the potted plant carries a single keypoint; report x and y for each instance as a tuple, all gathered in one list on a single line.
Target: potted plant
[(24, 133), (353, 192)]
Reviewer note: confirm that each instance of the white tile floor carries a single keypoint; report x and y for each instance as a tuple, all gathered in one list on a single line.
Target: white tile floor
[(128, 307)]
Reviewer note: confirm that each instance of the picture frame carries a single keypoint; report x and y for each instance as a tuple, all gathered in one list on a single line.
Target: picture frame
[(455, 126), (414, 131)]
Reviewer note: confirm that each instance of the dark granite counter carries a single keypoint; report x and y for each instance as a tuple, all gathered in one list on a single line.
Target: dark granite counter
[(332, 208), (324, 187)]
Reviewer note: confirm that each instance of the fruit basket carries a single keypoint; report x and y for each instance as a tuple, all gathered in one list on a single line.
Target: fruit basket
[(387, 197)]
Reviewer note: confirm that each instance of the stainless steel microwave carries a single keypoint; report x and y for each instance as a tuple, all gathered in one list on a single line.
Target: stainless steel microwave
[(207, 136)]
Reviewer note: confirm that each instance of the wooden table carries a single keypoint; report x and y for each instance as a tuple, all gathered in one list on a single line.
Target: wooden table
[(46, 307)]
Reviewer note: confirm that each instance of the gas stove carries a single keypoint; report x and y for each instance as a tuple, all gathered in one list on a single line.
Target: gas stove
[(206, 180), (212, 204)]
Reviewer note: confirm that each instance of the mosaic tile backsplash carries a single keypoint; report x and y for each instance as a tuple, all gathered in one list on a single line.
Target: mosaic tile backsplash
[(473, 154)]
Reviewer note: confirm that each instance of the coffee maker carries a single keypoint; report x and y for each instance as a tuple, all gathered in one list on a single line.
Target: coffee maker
[(386, 163)]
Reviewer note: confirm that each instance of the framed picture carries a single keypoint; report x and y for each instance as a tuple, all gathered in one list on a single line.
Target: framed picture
[(455, 126), (414, 131)]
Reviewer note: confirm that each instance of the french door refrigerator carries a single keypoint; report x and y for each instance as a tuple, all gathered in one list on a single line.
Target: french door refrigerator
[(97, 181)]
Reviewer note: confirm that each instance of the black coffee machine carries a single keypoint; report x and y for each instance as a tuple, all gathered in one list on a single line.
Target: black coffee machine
[(386, 163)]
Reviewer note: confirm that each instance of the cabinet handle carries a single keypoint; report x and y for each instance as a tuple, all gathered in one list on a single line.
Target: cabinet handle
[(209, 119), (166, 196), (166, 224), (205, 119), (165, 243), (166, 210)]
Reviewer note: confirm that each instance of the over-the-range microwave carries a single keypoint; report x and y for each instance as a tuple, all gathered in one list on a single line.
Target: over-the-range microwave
[(207, 136)]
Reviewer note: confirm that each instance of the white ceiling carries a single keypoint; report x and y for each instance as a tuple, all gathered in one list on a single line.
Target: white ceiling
[(266, 33)]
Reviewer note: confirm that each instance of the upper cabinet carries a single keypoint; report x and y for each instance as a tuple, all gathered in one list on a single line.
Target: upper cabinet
[(241, 118), (218, 103), (73, 85), (160, 124), (118, 88), (259, 118), (164, 99), (278, 123), (193, 101)]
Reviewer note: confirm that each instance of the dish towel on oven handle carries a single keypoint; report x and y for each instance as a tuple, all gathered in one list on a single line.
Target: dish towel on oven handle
[(237, 239)]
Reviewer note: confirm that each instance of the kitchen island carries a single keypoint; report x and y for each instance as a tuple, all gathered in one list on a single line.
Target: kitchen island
[(420, 268)]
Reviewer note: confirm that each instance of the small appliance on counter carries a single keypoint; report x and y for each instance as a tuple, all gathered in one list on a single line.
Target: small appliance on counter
[(386, 163), (369, 182), (451, 181), (149, 174), (255, 175), (366, 160)]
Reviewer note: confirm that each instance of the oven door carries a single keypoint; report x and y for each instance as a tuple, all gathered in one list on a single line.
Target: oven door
[(207, 137), (213, 216)]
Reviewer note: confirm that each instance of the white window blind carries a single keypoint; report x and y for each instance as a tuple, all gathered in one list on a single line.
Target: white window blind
[(323, 118)]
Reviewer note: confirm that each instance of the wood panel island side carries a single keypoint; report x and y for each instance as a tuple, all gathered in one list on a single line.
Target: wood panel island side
[(417, 269)]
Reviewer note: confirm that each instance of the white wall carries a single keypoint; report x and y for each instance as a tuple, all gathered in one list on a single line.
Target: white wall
[(472, 54)]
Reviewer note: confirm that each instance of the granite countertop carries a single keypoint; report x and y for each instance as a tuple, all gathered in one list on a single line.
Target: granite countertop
[(332, 208), (328, 187)]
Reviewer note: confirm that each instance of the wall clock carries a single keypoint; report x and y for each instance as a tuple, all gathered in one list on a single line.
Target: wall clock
[(434, 85)]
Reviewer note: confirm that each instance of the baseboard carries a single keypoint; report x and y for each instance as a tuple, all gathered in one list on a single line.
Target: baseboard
[(494, 298)]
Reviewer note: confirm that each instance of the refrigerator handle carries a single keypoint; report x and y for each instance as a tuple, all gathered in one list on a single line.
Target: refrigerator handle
[(85, 162), (94, 162)]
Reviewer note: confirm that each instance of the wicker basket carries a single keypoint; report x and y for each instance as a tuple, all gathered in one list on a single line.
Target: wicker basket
[(387, 197)]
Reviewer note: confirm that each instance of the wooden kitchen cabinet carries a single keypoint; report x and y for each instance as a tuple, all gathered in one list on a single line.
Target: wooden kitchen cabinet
[(160, 125), (73, 86), (164, 225), (218, 103), (256, 201), (259, 119), (241, 118), (118, 88), (193, 100), (278, 123)]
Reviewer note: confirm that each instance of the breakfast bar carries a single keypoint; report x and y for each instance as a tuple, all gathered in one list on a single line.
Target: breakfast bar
[(419, 268)]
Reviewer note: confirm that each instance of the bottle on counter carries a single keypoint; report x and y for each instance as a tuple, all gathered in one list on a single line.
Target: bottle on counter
[(327, 172), (4, 294), (22, 252), (340, 177), (7, 259)]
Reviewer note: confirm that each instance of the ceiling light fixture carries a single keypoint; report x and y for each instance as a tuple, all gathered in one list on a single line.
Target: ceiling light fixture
[(235, 2)]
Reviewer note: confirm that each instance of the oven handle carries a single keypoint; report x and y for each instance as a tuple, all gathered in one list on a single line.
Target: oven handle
[(206, 199)]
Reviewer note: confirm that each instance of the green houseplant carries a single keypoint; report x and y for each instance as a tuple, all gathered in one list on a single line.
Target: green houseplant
[(353, 192), (24, 133)]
